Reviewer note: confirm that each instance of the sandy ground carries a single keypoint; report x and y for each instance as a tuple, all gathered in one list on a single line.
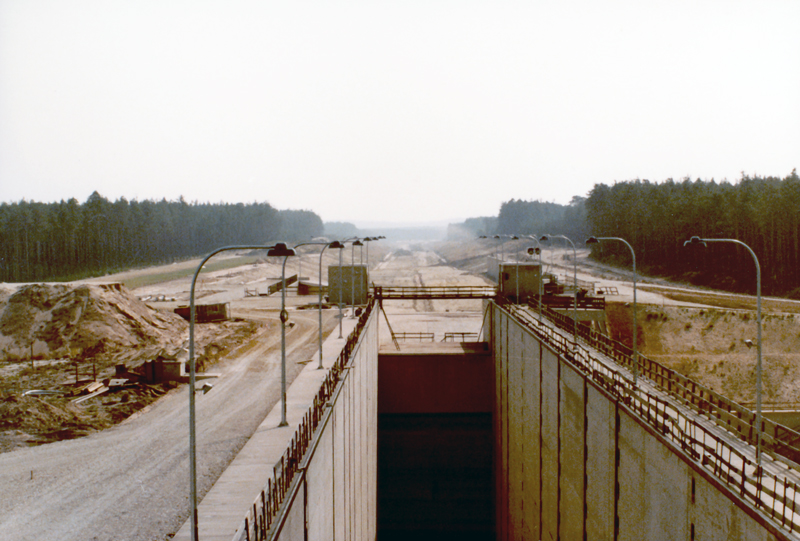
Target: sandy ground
[(131, 481)]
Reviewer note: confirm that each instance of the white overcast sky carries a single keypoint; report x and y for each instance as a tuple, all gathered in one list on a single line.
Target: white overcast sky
[(394, 111)]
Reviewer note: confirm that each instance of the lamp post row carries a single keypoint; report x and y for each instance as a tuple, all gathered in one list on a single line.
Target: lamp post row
[(278, 250), (694, 241)]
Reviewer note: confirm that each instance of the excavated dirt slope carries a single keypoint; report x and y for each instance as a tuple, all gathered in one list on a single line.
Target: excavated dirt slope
[(708, 345), (54, 336), (54, 321)]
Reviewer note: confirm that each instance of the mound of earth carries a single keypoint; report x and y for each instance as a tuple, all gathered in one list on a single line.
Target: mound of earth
[(59, 337), (52, 321), (708, 345)]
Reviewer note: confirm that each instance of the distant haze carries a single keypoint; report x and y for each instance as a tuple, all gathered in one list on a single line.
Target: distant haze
[(402, 112)]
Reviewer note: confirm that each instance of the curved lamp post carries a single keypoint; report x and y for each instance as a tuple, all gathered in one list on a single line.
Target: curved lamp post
[(516, 266), (341, 291), (500, 253), (545, 238), (366, 241), (335, 244), (341, 283), (596, 240), (192, 378), (538, 251), (369, 239), (487, 237), (697, 241), (355, 243), (281, 250)]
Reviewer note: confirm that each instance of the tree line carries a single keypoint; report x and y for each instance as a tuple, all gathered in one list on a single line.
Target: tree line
[(656, 219), (542, 218), (520, 217), (67, 240)]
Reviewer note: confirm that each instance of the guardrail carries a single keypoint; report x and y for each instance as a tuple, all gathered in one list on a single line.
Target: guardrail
[(607, 290), (725, 412), (454, 336), (776, 495), (434, 292), (415, 336), (256, 526), (565, 302)]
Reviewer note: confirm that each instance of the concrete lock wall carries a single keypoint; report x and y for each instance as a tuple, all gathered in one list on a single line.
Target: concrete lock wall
[(337, 496), (557, 437)]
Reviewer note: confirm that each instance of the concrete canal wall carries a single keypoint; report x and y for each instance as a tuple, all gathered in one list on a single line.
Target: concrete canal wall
[(572, 462)]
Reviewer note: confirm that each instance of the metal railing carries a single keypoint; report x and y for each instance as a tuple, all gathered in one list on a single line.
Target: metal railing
[(774, 493), (724, 411), (607, 290), (565, 302), (267, 508), (460, 337), (434, 292), (415, 336)]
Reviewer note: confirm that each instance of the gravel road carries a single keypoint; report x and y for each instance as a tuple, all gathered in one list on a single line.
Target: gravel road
[(131, 482)]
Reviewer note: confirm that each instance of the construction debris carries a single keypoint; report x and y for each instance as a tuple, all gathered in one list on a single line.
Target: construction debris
[(74, 358)]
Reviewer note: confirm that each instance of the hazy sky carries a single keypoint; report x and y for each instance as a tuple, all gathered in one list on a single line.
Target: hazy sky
[(400, 111)]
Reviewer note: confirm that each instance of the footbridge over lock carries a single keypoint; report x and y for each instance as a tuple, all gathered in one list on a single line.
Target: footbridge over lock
[(522, 434)]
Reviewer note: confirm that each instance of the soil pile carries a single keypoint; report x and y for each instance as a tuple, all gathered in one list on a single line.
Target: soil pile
[(51, 321), (708, 345), (59, 337)]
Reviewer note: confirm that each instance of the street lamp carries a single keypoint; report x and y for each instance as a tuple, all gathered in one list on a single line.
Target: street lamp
[(516, 261), (335, 244), (341, 283), (545, 238), (538, 251), (281, 250), (355, 243), (341, 290), (596, 240), (365, 242), (192, 382), (697, 241)]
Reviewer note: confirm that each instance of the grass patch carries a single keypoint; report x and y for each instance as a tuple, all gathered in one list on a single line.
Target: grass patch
[(177, 274), (725, 301)]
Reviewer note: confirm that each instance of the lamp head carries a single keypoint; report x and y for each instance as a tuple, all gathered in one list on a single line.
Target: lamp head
[(358, 243), (544, 238), (281, 250), (592, 240), (336, 245), (497, 236), (694, 241), (534, 250), (748, 343), (514, 237)]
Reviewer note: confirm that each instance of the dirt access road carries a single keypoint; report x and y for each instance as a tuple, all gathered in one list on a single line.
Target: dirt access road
[(130, 482)]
